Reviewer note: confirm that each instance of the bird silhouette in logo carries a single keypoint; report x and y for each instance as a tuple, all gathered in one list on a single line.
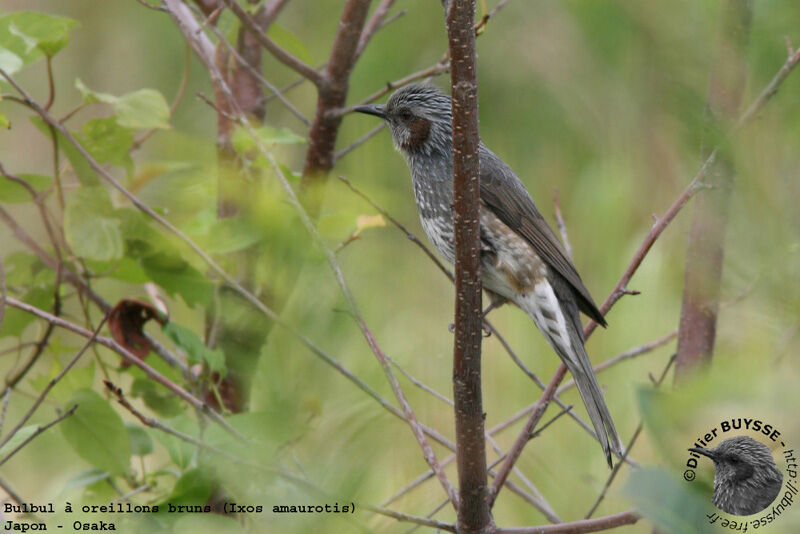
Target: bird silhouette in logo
[(746, 479)]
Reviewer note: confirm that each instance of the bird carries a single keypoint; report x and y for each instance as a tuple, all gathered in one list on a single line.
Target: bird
[(746, 479), (522, 261)]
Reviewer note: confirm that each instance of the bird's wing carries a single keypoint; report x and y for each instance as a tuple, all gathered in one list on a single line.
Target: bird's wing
[(505, 195)]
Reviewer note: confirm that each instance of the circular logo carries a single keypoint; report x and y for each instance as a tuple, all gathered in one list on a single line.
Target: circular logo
[(747, 479)]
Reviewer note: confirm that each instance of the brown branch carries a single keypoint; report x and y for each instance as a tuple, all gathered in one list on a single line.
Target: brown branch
[(358, 142), (330, 96), (276, 93), (578, 527), (440, 67), (422, 521), (375, 23), (628, 448), (627, 355), (706, 244), (277, 52), (473, 512)]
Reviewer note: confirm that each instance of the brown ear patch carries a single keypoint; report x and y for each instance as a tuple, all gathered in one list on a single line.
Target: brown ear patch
[(419, 129)]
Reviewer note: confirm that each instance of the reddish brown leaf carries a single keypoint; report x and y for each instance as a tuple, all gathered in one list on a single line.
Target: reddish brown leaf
[(126, 321)]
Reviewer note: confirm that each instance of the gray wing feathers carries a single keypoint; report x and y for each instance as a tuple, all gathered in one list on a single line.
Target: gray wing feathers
[(503, 193)]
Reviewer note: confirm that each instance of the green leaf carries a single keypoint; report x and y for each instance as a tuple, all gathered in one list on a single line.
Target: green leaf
[(80, 165), (108, 142), (90, 96), (667, 502), (4, 122), (232, 234), (141, 442), (21, 435), (161, 402), (194, 487), (96, 433), (289, 42), (85, 478), (145, 108), (32, 35), (20, 267), (179, 450), (13, 192), (194, 346), (176, 276), (15, 321), (9, 61), (90, 227), (243, 142), (77, 379)]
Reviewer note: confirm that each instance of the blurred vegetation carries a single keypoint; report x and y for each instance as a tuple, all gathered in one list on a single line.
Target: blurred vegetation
[(601, 100)]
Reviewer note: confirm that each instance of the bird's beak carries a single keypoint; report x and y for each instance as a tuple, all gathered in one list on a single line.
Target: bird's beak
[(704, 452), (371, 110)]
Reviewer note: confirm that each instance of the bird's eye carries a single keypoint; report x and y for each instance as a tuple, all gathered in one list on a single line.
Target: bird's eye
[(734, 460), (405, 114)]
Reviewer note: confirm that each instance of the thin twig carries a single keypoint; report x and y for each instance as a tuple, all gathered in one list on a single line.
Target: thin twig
[(175, 101), (578, 527), (423, 521), (358, 142), (277, 93), (277, 52), (50, 385), (375, 23), (37, 432), (628, 354), (631, 443), (122, 351)]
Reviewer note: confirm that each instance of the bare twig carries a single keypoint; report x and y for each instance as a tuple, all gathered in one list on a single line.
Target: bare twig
[(51, 384), (578, 527), (358, 142), (630, 445), (175, 101), (122, 351), (276, 92), (423, 521), (277, 52), (36, 433), (374, 24), (628, 354)]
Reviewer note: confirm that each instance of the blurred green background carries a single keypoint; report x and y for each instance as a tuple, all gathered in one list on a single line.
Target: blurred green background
[(602, 100)]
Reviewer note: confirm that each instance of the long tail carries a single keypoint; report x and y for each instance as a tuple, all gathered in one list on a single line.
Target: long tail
[(560, 325)]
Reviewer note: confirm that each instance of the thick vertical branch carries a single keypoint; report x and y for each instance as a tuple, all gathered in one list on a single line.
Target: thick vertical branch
[(473, 511), (706, 248), (332, 95)]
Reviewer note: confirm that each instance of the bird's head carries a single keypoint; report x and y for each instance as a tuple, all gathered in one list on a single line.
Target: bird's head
[(419, 117), (738, 459)]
